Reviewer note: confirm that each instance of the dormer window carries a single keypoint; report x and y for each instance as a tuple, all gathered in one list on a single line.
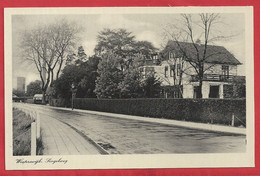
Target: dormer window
[(155, 58), (166, 71), (171, 55)]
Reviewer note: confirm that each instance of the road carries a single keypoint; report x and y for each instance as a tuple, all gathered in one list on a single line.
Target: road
[(124, 136)]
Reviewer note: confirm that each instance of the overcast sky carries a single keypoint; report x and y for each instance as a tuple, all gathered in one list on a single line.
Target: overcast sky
[(144, 26)]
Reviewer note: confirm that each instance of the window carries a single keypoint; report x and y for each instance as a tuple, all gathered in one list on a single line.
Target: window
[(171, 55), (166, 71), (155, 57), (172, 70), (195, 91), (178, 69), (225, 70), (214, 92)]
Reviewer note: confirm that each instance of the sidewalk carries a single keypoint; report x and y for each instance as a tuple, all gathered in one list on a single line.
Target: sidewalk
[(194, 125), (60, 139)]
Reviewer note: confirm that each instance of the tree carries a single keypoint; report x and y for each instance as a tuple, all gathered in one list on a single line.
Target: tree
[(71, 74), (78, 58), (83, 76), (151, 87), (110, 75), (119, 76), (131, 85), (123, 44), (18, 93), (88, 82), (81, 54), (145, 48), (34, 88), (187, 31), (117, 41), (47, 48)]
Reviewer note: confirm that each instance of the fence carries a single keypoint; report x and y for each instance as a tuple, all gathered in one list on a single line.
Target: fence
[(35, 125)]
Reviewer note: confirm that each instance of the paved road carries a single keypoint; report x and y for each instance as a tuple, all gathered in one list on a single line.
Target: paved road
[(123, 136)]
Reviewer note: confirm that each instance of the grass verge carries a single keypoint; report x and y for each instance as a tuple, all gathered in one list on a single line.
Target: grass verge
[(22, 134)]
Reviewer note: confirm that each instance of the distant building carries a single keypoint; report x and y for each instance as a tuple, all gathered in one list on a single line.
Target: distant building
[(21, 84)]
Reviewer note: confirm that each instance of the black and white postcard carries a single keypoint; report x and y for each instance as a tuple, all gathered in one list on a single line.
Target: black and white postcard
[(129, 87)]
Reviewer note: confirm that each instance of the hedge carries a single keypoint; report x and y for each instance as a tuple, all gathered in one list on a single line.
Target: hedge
[(217, 111)]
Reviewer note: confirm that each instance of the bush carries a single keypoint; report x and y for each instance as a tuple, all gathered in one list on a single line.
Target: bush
[(61, 102), (218, 111)]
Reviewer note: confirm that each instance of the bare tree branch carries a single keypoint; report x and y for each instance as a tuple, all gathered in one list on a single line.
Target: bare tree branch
[(47, 47)]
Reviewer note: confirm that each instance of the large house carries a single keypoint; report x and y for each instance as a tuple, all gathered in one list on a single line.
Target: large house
[(175, 67)]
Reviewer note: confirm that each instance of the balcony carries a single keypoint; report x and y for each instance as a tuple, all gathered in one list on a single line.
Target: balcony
[(213, 77)]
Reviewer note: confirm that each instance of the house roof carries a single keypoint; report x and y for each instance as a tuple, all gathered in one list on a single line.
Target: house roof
[(214, 54)]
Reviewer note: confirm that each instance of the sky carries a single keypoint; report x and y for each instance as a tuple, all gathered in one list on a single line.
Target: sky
[(144, 26)]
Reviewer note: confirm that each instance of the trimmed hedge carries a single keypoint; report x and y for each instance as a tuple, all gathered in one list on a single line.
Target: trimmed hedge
[(217, 111)]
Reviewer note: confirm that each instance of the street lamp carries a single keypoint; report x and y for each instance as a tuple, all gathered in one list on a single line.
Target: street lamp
[(73, 93)]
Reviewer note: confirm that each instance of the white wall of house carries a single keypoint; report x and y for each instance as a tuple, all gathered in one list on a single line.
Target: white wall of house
[(217, 69), (188, 91), (188, 87)]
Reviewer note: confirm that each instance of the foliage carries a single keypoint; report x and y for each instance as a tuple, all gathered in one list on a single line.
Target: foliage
[(34, 88), (78, 58), (83, 76), (110, 75), (144, 48), (217, 111), (21, 133), (62, 86), (118, 41), (88, 82), (18, 93), (130, 87), (152, 87), (122, 43), (81, 54), (115, 76), (119, 78)]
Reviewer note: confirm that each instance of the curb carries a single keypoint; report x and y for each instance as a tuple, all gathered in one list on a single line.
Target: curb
[(100, 149)]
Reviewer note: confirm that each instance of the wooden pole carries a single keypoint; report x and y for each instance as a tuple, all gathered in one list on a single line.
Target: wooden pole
[(33, 139), (72, 101), (233, 120), (38, 127)]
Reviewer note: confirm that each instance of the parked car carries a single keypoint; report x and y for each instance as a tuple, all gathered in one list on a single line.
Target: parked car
[(37, 98)]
